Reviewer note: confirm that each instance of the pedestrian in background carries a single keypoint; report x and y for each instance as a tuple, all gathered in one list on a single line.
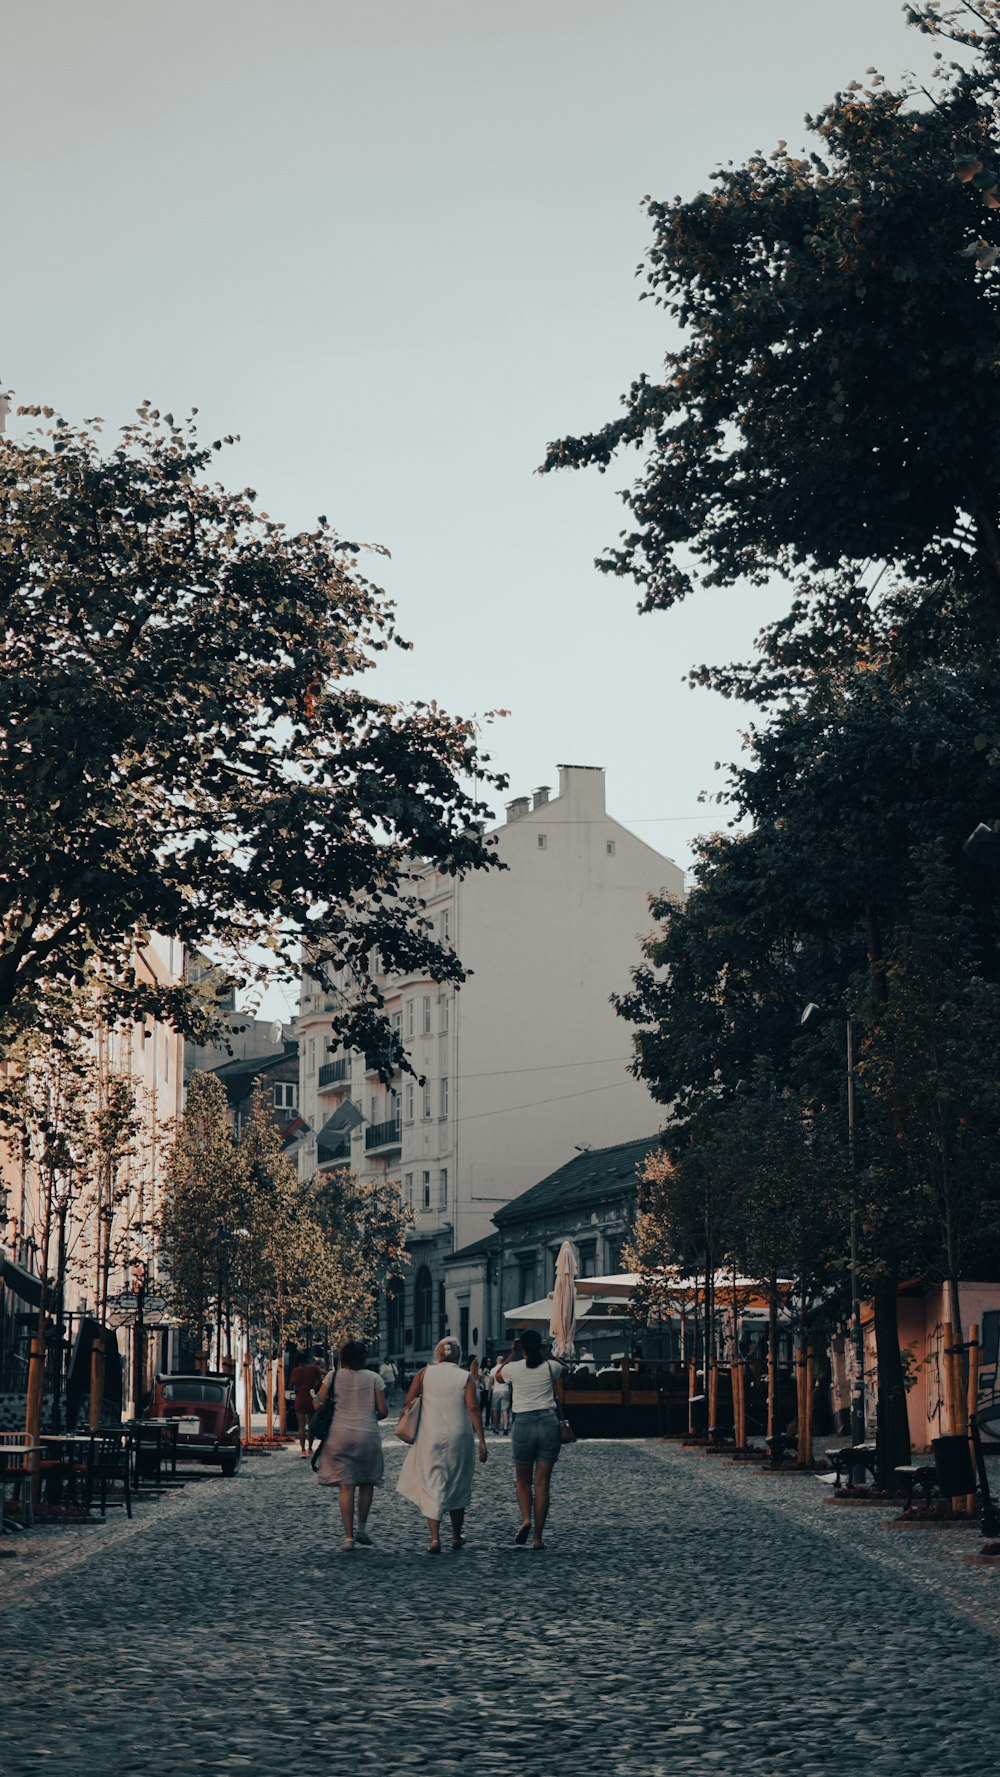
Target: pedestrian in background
[(304, 1378), (536, 1442), (439, 1466), (500, 1403), (351, 1458)]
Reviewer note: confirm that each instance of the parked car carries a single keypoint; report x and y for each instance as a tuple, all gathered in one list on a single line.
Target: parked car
[(211, 1402)]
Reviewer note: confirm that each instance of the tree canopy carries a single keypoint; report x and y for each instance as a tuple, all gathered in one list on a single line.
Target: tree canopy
[(831, 406), (185, 741)]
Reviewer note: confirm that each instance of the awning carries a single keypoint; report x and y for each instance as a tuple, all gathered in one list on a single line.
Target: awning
[(24, 1283), (538, 1314), (333, 1140)]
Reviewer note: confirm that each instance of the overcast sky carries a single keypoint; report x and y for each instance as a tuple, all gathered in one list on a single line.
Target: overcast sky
[(392, 244)]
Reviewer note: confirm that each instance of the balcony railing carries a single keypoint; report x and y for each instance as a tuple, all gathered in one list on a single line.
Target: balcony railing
[(334, 1073), (384, 1135)]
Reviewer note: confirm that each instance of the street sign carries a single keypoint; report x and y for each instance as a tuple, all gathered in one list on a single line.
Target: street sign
[(124, 1309)]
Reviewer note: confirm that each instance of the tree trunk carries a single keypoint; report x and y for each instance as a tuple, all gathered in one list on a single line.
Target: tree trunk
[(894, 1428)]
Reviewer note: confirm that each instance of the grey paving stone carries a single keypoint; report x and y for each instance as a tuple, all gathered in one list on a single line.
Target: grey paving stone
[(684, 1617)]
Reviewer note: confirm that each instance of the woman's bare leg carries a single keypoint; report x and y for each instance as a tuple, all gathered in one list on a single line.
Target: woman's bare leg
[(522, 1481), (365, 1493), (457, 1520), (347, 1508), (434, 1526), (543, 1473)]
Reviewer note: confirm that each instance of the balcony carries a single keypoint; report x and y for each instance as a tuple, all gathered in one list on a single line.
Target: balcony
[(333, 1074), (383, 1135)]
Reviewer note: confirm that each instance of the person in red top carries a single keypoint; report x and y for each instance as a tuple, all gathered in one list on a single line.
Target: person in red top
[(302, 1380)]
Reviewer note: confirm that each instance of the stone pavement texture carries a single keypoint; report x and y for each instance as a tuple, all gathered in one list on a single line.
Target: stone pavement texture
[(685, 1617)]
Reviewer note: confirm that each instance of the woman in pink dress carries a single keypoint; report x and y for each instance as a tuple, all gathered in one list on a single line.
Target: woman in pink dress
[(351, 1457)]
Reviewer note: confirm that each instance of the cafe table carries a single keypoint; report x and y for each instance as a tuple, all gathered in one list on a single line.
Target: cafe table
[(14, 1456), (70, 1452)]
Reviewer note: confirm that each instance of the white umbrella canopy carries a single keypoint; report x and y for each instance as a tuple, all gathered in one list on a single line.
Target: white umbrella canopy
[(562, 1321)]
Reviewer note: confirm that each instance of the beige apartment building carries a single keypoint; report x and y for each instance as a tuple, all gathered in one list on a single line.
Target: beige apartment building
[(522, 1066)]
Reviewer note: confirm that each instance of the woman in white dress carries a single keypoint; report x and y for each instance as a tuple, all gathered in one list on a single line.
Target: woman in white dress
[(439, 1466)]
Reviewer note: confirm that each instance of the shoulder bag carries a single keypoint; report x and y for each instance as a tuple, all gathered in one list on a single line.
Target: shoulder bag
[(566, 1433), (408, 1423), (321, 1421)]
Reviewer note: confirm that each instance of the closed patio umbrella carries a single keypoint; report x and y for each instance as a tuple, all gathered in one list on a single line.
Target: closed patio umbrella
[(562, 1321)]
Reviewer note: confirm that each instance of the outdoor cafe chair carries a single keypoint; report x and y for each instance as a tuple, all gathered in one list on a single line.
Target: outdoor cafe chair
[(110, 1465), (20, 1466)]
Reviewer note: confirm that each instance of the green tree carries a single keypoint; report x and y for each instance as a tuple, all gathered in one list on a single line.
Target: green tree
[(831, 402), (186, 744), (364, 1225), (203, 1202)]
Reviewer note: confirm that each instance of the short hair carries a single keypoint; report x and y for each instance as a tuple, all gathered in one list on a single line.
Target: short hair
[(354, 1354), (447, 1351)]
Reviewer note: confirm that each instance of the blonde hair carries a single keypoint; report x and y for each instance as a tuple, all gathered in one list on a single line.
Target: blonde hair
[(447, 1351)]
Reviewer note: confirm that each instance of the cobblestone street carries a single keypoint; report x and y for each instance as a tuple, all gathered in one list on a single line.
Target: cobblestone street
[(685, 1616)]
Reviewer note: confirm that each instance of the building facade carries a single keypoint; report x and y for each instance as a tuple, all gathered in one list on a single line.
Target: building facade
[(525, 1063), (590, 1200), (150, 1056)]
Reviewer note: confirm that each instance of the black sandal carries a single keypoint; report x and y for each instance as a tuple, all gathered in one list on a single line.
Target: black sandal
[(523, 1534)]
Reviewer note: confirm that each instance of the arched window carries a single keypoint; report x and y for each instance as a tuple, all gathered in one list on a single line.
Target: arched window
[(395, 1315), (423, 1309)]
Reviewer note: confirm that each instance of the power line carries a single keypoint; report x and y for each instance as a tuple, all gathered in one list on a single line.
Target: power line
[(544, 1067), (505, 1110)]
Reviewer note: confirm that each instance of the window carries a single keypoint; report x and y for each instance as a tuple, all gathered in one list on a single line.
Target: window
[(611, 848), (542, 841), (408, 1188), (427, 1098), (444, 1188), (442, 1312), (409, 1101), (166, 1055), (374, 1115), (395, 1315), (426, 1024), (463, 1323), (397, 1024), (425, 1190), (443, 1015), (588, 1260), (409, 1017), (423, 1308), (446, 925), (312, 1055), (526, 1277), (444, 1096), (286, 1095)]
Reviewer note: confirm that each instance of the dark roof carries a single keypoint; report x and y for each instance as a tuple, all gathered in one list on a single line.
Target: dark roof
[(587, 1178), (476, 1249), (257, 1064)]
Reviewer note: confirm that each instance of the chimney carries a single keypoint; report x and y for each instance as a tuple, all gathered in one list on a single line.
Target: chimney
[(521, 805), (583, 784), (542, 795)]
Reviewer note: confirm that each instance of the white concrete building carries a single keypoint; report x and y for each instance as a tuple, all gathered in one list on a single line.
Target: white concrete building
[(525, 1063)]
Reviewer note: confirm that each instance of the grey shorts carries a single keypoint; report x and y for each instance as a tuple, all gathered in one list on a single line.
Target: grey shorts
[(536, 1436)]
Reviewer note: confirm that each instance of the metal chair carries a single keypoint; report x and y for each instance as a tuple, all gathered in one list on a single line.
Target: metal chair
[(109, 1465)]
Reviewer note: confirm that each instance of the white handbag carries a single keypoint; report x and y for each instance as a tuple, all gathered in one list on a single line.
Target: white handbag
[(408, 1423)]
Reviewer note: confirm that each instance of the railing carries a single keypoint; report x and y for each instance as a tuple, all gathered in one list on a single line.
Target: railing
[(333, 1073), (384, 1135)]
